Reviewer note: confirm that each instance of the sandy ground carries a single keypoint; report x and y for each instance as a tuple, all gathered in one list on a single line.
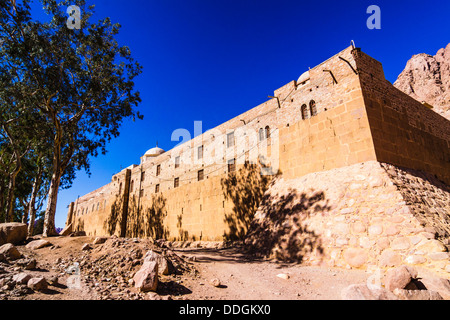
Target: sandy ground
[(243, 279), (240, 278)]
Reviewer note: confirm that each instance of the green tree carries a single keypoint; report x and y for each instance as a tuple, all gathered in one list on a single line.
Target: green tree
[(80, 81)]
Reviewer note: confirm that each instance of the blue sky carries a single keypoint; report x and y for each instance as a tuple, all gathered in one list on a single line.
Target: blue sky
[(210, 60)]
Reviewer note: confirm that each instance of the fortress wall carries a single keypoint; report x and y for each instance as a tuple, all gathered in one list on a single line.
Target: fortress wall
[(337, 136), (405, 132), (360, 117)]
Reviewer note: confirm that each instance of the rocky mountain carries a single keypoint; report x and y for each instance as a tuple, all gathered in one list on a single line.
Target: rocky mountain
[(427, 78)]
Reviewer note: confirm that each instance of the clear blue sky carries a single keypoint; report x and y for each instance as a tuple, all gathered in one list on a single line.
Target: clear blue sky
[(210, 60)]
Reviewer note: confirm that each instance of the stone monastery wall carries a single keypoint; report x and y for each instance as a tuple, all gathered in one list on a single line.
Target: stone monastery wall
[(338, 114)]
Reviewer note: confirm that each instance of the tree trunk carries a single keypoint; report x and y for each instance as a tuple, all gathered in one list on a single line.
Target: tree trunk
[(31, 213), (49, 219), (10, 197)]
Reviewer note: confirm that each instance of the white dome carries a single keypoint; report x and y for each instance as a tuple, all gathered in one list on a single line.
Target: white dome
[(303, 77), (154, 152)]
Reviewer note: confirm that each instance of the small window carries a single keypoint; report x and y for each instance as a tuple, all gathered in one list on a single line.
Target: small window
[(131, 186), (141, 193), (177, 162), (261, 134), (142, 175), (158, 169), (120, 188), (231, 165), (304, 110), (200, 152), (157, 188), (230, 139), (201, 175), (267, 129), (313, 108), (176, 182)]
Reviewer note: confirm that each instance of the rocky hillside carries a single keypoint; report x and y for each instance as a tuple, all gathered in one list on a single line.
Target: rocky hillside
[(427, 78)]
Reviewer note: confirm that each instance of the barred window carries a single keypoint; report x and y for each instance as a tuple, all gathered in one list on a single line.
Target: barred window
[(231, 165), (201, 174), (313, 108), (230, 139), (304, 110)]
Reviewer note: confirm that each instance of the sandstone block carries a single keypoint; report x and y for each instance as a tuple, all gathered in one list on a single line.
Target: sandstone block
[(389, 258), (430, 246), (355, 257), (401, 243), (375, 230)]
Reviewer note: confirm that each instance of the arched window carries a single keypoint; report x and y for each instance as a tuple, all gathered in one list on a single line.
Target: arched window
[(267, 132), (261, 134), (304, 110), (313, 108)]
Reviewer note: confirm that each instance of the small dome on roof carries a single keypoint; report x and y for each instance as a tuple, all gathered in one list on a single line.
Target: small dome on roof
[(154, 152), (303, 77)]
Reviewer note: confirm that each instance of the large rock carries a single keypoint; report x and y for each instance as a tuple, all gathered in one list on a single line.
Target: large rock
[(146, 279), (163, 265), (440, 285), (21, 278), (66, 231), (13, 232), (399, 278), (37, 284), (10, 251), (38, 244), (417, 295), (362, 292)]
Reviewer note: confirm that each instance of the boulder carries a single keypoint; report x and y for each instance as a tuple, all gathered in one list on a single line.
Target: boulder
[(10, 251), (99, 240), (66, 231), (417, 295), (146, 279), (13, 232), (362, 292), (37, 284), (38, 244), (27, 264), (440, 285), (163, 265), (21, 278), (86, 247), (399, 278)]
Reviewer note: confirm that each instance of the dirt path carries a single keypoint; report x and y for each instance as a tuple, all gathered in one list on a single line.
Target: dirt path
[(242, 279)]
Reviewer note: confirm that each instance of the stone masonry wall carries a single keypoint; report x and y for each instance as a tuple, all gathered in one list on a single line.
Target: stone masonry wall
[(352, 217), (404, 132)]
